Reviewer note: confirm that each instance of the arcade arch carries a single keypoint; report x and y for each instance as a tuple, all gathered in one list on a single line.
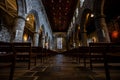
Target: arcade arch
[(87, 27)]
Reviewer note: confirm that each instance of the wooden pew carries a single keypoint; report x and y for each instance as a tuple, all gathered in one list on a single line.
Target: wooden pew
[(105, 52), (38, 51), (83, 53), (43, 53), (78, 53), (7, 58), (24, 51)]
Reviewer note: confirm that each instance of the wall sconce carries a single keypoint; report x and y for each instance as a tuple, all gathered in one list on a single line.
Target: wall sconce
[(78, 27), (94, 39), (46, 45), (25, 37), (28, 19), (92, 15), (115, 34)]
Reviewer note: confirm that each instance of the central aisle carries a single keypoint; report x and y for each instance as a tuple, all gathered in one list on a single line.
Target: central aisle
[(58, 67)]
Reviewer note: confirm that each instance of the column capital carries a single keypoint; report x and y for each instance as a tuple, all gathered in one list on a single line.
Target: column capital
[(21, 17), (36, 32)]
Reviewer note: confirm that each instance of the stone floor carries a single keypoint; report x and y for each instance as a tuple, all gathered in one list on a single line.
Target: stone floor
[(60, 67)]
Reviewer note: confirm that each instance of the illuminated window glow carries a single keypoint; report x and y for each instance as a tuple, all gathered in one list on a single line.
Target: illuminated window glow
[(77, 12), (81, 3), (59, 43)]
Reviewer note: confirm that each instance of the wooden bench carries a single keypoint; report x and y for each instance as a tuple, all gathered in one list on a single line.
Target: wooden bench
[(24, 52), (38, 50), (78, 53), (7, 58), (105, 53), (42, 53), (83, 53), (45, 54)]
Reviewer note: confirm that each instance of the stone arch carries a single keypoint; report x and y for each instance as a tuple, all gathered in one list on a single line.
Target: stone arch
[(29, 28), (83, 24), (36, 26), (85, 15), (19, 22), (35, 13)]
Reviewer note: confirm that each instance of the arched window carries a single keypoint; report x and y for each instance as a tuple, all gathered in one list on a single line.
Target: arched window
[(59, 43)]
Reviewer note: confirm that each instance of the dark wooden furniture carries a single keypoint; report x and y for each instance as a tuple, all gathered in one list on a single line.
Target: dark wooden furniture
[(7, 58), (38, 50), (24, 52), (83, 53), (78, 53), (105, 53)]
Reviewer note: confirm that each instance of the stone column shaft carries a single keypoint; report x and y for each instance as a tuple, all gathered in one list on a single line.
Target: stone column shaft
[(84, 38), (103, 34), (36, 39), (106, 33), (19, 29), (102, 31)]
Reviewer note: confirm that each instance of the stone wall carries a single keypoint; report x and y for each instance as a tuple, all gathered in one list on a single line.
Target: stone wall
[(4, 34)]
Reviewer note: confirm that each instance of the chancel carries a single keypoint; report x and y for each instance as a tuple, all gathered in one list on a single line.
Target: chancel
[(59, 40)]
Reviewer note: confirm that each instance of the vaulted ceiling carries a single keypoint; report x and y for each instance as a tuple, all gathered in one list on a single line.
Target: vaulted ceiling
[(60, 13)]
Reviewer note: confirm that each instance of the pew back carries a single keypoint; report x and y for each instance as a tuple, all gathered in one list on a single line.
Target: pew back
[(24, 50), (7, 58)]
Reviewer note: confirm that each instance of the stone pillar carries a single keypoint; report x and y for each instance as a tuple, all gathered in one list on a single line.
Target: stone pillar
[(102, 31), (103, 23), (84, 38), (105, 30), (43, 41), (36, 39), (99, 30), (77, 36), (49, 43), (19, 29), (46, 41), (74, 40)]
